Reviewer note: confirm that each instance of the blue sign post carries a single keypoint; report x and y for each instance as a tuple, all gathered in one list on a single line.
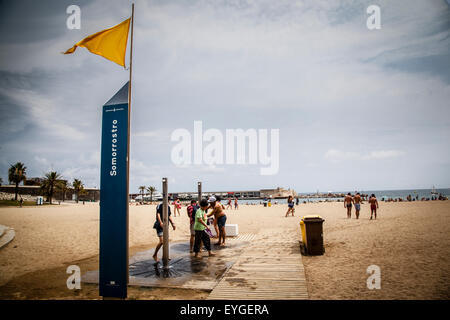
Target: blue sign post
[(114, 196)]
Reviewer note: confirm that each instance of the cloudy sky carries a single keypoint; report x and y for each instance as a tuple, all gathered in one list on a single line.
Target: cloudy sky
[(357, 109)]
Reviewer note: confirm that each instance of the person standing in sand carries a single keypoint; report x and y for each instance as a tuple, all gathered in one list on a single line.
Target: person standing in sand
[(357, 201), (176, 207), (159, 227), (291, 208), (220, 217), (348, 204), (373, 206), (236, 205), (200, 228)]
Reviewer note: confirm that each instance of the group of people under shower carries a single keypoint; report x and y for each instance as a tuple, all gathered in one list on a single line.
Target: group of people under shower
[(201, 222)]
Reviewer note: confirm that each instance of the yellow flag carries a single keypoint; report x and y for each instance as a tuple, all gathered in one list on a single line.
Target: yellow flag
[(110, 43)]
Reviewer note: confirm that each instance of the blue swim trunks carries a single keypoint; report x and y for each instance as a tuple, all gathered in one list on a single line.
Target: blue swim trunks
[(357, 206), (221, 221)]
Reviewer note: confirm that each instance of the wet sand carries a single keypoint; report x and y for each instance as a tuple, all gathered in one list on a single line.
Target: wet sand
[(410, 242)]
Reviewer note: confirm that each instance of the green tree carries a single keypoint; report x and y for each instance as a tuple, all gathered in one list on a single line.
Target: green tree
[(63, 186), (78, 188), (142, 189), (17, 174), (151, 189), (50, 183)]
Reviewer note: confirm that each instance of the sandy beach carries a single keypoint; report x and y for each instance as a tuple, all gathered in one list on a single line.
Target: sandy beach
[(410, 242)]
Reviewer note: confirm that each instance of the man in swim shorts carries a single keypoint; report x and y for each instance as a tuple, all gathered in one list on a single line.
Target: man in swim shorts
[(357, 200), (348, 204), (220, 217), (373, 206)]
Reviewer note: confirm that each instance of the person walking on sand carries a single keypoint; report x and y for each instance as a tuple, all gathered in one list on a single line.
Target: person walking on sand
[(220, 217), (236, 205), (21, 201), (291, 208), (229, 206), (191, 214), (159, 227), (176, 207), (357, 200), (348, 204), (373, 206), (200, 228)]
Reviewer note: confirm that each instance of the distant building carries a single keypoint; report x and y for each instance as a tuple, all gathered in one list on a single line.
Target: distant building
[(278, 193), (33, 181)]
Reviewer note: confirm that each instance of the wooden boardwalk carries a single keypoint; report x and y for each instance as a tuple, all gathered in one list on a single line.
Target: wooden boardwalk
[(265, 271)]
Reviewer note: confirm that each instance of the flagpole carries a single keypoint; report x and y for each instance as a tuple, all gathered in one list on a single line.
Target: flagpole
[(129, 121)]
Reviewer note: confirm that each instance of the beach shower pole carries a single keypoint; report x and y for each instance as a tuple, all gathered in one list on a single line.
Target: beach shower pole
[(165, 225), (199, 192)]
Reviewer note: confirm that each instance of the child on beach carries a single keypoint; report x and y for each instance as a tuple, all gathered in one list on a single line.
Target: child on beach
[(191, 210), (373, 206), (159, 227), (291, 208), (200, 228)]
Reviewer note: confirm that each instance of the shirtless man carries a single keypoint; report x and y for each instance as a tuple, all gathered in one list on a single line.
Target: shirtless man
[(373, 206), (220, 218), (348, 204), (357, 201)]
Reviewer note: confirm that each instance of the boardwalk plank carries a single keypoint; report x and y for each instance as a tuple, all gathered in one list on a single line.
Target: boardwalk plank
[(265, 270)]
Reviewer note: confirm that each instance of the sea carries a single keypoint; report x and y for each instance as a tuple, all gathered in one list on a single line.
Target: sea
[(380, 194)]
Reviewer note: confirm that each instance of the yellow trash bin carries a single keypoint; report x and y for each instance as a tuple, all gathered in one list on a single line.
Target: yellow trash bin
[(303, 231), (312, 235)]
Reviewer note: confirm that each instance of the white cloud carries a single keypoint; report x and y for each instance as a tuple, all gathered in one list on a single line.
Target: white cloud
[(335, 155), (383, 154)]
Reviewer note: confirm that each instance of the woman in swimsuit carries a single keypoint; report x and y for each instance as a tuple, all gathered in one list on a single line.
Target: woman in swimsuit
[(373, 206), (177, 207), (290, 206)]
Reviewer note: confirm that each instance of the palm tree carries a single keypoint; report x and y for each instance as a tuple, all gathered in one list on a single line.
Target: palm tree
[(78, 188), (63, 186), (142, 189), (17, 174), (151, 190), (50, 183)]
